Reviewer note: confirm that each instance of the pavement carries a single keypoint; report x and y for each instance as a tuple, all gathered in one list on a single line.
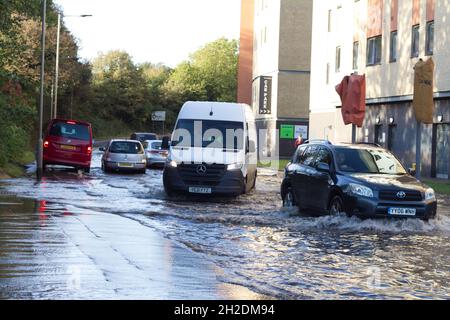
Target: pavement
[(49, 254)]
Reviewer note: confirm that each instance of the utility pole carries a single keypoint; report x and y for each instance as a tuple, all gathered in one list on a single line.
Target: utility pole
[(39, 159), (418, 149), (57, 66)]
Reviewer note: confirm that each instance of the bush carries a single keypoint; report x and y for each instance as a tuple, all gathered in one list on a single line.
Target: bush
[(16, 123)]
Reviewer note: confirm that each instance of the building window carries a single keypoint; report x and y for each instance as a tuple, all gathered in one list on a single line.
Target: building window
[(415, 41), (393, 47), (374, 51), (338, 59), (391, 137), (379, 134), (355, 55), (430, 39)]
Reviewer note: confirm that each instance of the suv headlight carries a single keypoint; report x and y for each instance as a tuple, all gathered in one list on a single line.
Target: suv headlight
[(234, 166), (360, 190), (430, 195)]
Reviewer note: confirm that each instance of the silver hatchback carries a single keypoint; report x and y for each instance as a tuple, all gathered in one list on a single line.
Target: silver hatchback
[(124, 155)]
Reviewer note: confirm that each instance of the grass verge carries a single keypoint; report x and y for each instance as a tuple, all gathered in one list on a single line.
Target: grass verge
[(275, 164), (442, 187)]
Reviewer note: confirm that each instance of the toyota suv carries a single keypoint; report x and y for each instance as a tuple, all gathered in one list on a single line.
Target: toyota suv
[(364, 180)]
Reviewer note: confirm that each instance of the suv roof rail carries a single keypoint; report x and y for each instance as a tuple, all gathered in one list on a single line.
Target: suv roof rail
[(323, 141), (366, 143)]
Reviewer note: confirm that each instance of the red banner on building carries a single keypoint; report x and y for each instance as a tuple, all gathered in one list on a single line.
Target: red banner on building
[(352, 91)]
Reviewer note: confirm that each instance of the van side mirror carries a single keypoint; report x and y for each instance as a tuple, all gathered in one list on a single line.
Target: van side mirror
[(165, 145), (323, 167), (251, 146), (412, 172), (102, 149)]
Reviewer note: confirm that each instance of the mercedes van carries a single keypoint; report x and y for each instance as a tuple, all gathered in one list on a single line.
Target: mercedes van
[(213, 150)]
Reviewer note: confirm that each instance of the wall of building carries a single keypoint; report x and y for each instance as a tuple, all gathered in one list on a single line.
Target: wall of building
[(282, 51), (245, 71), (389, 84)]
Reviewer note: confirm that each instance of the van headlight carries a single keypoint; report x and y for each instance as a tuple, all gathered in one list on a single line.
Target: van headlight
[(430, 195), (360, 190), (234, 166), (172, 164)]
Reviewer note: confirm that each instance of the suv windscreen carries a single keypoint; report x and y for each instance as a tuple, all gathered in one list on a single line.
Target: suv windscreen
[(368, 161), (70, 130), (209, 134), (126, 147)]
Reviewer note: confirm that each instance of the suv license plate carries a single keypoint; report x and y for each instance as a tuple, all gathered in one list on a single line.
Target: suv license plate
[(405, 212), (200, 190)]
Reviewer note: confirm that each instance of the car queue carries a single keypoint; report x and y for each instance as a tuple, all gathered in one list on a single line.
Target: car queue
[(361, 180)]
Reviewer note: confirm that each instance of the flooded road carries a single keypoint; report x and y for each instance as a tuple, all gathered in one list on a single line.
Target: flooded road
[(123, 239)]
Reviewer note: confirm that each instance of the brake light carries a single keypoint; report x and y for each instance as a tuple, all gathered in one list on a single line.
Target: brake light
[(46, 144), (71, 122), (89, 149)]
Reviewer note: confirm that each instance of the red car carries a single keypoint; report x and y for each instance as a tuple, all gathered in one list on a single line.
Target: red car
[(68, 143)]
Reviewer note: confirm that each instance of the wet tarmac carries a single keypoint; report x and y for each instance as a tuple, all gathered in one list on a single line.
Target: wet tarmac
[(111, 236)]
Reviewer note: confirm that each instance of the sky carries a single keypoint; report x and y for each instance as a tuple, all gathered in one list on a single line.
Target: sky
[(156, 31)]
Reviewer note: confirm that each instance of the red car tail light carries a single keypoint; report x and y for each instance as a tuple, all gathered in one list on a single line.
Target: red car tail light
[(89, 149), (46, 144)]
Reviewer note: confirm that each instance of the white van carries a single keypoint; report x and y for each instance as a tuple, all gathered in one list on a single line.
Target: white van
[(213, 150)]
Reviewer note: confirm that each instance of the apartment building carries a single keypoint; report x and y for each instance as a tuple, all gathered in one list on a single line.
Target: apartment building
[(383, 40), (280, 64)]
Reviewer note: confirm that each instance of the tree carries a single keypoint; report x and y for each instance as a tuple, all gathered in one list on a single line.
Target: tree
[(118, 86), (210, 74)]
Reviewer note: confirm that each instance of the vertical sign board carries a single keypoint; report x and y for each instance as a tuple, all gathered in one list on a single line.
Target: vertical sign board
[(265, 95)]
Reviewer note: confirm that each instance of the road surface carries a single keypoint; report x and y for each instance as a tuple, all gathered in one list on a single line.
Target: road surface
[(110, 236)]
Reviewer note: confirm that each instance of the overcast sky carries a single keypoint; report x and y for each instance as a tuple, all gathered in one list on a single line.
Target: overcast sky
[(154, 31)]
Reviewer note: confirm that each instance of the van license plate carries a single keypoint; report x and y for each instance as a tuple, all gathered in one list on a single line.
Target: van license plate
[(405, 212), (200, 190), (65, 147)]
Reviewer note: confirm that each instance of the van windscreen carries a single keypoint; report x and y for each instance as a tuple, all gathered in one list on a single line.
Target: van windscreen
[(70, 130), (226, 135)]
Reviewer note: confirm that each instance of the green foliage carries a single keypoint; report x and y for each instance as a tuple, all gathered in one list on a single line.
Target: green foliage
[(210, 74), (113, 93), (15, 126)]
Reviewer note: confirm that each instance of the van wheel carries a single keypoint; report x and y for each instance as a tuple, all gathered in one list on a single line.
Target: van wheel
[(288, 199), (245, 186), (254, 181), (336, 206)]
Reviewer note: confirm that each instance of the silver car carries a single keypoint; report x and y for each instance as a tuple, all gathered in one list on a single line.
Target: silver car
[(155, 155), (124, 155)]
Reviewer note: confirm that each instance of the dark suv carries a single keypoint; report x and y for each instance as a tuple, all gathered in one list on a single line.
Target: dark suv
[(359, 179), (142, 136)]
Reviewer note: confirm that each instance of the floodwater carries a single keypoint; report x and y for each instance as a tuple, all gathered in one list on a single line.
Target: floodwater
[(125, 239)]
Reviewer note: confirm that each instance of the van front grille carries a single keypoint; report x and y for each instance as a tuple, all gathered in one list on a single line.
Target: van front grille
[(192, 176)]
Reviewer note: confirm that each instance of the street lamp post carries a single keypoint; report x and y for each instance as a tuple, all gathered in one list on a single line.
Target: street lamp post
[(39, 157), (58, 38)]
